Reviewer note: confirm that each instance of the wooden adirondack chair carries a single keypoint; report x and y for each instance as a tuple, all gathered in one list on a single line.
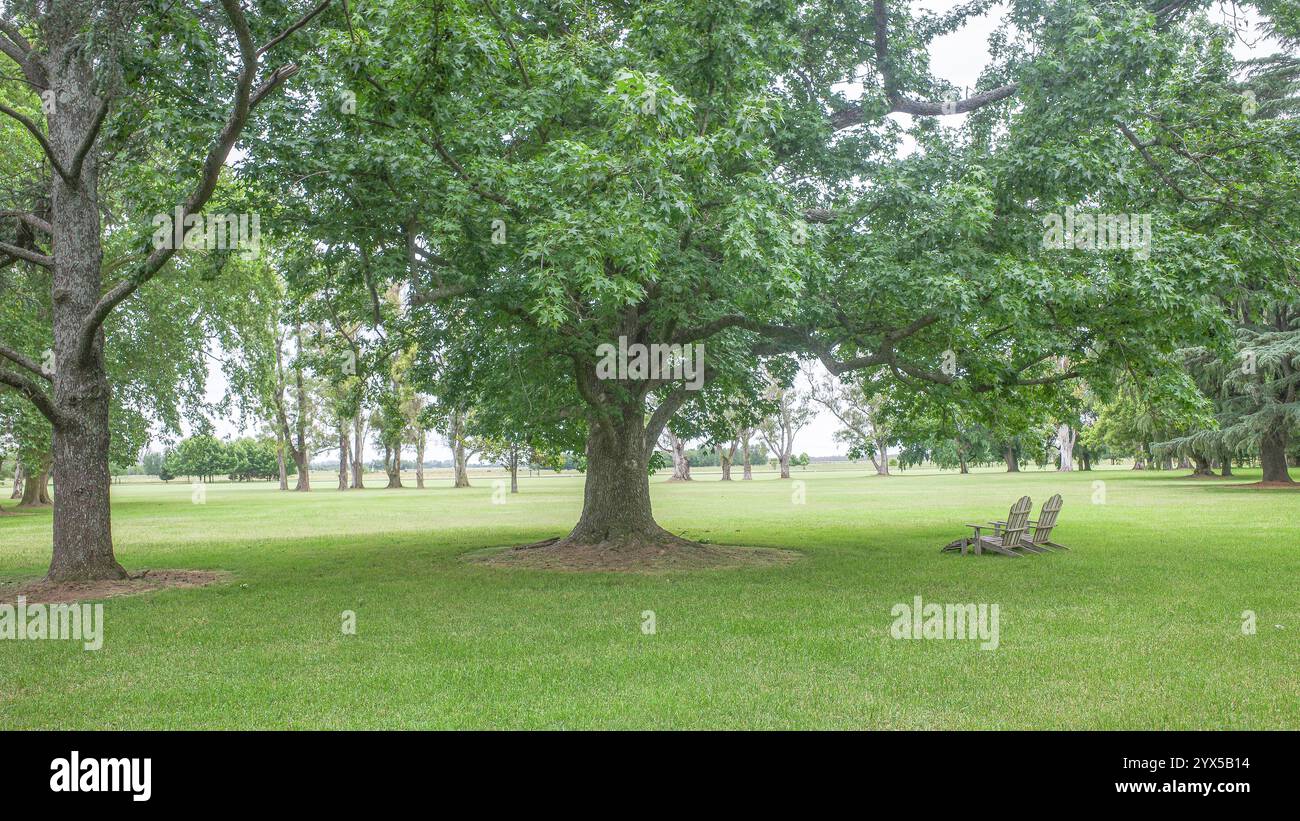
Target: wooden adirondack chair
[(1043, 525), (1008, 536), (1046, 520)]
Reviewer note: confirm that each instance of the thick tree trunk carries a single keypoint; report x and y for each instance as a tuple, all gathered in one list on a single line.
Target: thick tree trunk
[(616, 498), (962, 466), (1086, 458), (358, 452), (83, 532), (345, 449), (35, 490), (785, 465), (1226, 468), (1202, 466), (1013, 464), (1272, 455)]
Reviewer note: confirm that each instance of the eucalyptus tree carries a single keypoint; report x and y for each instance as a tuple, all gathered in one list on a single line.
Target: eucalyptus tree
[(128, 91)]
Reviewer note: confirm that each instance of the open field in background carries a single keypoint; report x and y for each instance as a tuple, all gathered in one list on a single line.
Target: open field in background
[(1139, 626)]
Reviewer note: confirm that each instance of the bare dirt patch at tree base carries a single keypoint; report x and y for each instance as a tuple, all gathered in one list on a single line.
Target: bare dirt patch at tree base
[(45, 592), (653, 556)]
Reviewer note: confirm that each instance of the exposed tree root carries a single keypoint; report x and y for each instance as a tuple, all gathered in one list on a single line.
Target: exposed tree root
[(633, 553)]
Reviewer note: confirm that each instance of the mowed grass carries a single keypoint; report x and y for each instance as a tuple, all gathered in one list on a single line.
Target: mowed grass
[(1139, 627)]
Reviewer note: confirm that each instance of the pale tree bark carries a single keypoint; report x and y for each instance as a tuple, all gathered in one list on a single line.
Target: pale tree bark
[(1066, 437), (459, 450), (676, 447), (747, 469), (358, 451), (726, 456), (421, 439), (18, 481)]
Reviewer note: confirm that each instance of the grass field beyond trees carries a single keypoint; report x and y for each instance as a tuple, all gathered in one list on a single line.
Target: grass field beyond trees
[(1139, 627)]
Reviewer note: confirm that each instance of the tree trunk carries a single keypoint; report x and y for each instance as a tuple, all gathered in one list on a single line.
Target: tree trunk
[(681, 465), (748, 471), (880, 459), (35, 490), (1226, 470), (1013, 465), (785, 465), (1202, 466), (514, 472), (83, 531), (358, 451), (1065, 439), (725, 458), (345, 447), (459, 458), (18, 481), (393, 465), (302, 459), (1086, 458), (1272, 455), (420, 441), (279, 460), (963, 467), (616, 496)]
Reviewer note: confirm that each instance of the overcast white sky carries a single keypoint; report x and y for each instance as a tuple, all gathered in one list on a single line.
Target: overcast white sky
[(958, 58)]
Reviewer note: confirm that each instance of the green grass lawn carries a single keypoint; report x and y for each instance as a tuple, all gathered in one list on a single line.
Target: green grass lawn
[(1139, 627)]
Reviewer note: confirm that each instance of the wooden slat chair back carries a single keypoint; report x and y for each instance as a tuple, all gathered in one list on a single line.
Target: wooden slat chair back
[(1046, 521), (1017, 523)]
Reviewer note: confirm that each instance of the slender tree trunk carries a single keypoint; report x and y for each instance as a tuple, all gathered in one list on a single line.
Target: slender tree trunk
[(880, 460), (420, 440), (1013, 464), (358, 451), (747, 472), (961, 461), (1272, 455), (18, 481), (280, 462), (514, 471), (459, 457), (301, 450), (785, 465), (345, 447)]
